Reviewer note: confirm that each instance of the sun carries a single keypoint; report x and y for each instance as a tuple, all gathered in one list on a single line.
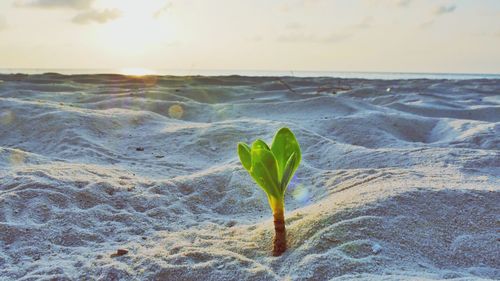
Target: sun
[(133, 7), (137, 71), (137, 31)]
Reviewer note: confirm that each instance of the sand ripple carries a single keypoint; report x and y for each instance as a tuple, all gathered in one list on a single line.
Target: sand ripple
[(399, 180)]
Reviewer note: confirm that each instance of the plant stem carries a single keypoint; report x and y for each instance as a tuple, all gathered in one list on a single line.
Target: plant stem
[(279, 242)]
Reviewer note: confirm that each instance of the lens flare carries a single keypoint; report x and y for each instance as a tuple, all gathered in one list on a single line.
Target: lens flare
[(175, 111), (6, 117), (17, 158), (299, 191)]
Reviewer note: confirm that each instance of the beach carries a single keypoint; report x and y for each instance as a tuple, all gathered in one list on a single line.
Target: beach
[(399, 179)]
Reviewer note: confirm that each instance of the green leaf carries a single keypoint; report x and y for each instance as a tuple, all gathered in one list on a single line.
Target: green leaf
[(265, 171), (272, 169), (290, 169), (260, 144), (245, 156), (284, 145)]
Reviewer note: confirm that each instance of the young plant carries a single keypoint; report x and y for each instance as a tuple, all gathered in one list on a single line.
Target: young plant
[(272, 169)]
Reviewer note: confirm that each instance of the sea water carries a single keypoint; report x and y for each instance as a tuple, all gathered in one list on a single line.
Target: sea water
[(338, 74)]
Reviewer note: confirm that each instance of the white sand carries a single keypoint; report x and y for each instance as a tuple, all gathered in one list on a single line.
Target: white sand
[(395, 184)]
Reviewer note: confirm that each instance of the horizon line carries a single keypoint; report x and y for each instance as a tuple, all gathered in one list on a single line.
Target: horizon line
[(161, 71)]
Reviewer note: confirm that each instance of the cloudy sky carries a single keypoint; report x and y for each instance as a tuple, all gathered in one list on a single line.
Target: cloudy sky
[(332, 35)]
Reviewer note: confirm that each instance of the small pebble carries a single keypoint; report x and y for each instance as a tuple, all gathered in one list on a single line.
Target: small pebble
[(139, 148), (376, 248), (119, 253)]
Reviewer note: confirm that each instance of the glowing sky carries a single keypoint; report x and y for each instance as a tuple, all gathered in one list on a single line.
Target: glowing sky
[(341, 35)]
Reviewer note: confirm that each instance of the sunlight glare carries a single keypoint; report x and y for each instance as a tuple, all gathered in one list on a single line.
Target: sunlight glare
[(137, 31), (136, 71)]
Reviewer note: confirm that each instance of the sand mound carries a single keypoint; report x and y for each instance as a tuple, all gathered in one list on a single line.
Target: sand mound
[(399, 179)]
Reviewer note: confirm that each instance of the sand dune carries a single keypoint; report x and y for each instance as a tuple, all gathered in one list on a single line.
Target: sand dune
[(400, 179)]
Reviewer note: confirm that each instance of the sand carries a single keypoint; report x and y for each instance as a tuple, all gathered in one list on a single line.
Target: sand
[(400, 179)]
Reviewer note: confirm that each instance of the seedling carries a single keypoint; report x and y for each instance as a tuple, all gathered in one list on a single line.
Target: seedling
[(272, 169)]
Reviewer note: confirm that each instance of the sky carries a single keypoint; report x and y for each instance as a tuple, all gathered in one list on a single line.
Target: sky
[(451, 36)]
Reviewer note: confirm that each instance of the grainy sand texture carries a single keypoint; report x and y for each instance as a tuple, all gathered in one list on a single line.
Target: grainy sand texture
[(400, 179)]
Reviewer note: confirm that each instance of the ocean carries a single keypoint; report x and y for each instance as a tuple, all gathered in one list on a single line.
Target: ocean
[(338, 74)]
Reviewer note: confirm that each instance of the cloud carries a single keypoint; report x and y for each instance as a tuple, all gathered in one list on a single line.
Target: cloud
[(256, 38), (162, 10), (336, 37), (296, 37), (364, 24), (3, 23), (388, 3), (301, 37), (438, 11), (441, 10), (294, 26), (288, 6), (52, 4), (402, 3), (294, 32), (426, 24), (95, 16), (86, 14)]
